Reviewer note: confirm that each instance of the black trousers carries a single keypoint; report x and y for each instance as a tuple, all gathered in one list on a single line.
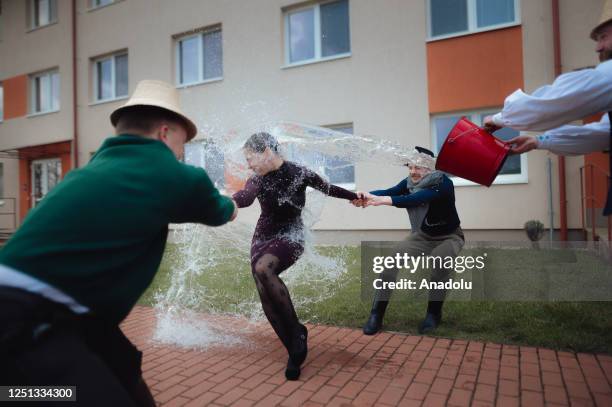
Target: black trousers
[(43, 343)]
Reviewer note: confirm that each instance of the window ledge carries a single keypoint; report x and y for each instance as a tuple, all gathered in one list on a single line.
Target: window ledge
[(204, 82), (511, 180), (90, 9), (316, 61), (478, 31), (40, 27), (37, 114), (101, 102)]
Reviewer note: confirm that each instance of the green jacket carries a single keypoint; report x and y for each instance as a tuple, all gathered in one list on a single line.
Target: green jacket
[(99, 236)]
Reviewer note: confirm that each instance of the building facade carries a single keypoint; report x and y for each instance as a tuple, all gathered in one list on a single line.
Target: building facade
[(402, 70)]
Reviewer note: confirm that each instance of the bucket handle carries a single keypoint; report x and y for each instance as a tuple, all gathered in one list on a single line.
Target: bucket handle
[(451, 140)]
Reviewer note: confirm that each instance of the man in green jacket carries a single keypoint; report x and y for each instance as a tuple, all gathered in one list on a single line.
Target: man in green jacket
[(86, 253)]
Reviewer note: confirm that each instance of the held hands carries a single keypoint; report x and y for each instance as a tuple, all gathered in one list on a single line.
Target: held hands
[(366, 199), (361, 200)]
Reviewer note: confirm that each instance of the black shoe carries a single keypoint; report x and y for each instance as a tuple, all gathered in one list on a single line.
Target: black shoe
[(299, 356), (375, 321), (430, 323), (292, 372)]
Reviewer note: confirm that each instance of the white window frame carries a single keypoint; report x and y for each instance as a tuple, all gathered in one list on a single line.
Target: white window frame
[(205, 145), (44, 180), (51, 21), (94, 6), (33, 95), (317, 36), (112, 57), (177, 57), (472, 22), (474, 116)]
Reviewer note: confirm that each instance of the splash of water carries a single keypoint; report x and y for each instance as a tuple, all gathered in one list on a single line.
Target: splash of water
[(210, 270)]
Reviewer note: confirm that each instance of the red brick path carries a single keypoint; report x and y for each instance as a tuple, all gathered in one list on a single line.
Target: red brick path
[(347, 368)]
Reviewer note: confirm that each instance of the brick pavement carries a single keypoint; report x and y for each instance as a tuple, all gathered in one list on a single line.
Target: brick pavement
[(345, 367)]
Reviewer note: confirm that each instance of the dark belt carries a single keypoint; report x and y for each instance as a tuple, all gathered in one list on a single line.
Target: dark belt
[(608, 208)]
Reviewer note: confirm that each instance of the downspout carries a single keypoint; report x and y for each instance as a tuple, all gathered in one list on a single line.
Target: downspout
[(75, 139), (562, 187)]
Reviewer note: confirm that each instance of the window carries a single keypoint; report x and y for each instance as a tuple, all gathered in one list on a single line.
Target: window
[(208, 155), (338, 171), (43, 12), (1, 102), (456, 17), (199, 57), (317, 32), (100, 3), (45, 89), (515, 167), (110, 77), (46, 174)]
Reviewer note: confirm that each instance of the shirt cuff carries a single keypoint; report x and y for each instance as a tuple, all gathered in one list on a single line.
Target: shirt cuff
[(543, 141), (498, 119)]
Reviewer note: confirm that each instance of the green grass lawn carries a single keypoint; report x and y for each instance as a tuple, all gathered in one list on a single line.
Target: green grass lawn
[(576, 326)]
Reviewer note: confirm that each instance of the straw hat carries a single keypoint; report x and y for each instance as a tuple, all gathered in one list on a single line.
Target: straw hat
[(159, 94), (606, 17)]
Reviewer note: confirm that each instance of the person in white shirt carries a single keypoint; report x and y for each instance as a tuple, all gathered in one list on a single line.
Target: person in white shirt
[(572, 96)]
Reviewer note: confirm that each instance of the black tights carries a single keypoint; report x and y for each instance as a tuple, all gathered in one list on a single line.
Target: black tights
[(275, 300)]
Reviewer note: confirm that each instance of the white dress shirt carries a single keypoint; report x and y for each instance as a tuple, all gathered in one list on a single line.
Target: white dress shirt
[(576, 140), (572, 96)]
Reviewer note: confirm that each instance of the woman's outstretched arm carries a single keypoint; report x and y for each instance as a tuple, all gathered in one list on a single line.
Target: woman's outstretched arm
[(247, 195), (315, 181)]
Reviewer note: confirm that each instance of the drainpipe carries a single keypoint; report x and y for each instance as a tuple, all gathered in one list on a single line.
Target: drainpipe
[(562, 187), (75, 139)]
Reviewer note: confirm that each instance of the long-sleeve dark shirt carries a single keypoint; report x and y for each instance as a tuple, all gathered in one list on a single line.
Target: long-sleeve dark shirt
[(442, 215), (282, 196)]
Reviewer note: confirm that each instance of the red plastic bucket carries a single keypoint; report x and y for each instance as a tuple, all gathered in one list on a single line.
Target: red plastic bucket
[(472, 153)]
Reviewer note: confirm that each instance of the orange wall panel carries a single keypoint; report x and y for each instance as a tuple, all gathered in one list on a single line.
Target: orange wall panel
[(15, 96), (474, 71)]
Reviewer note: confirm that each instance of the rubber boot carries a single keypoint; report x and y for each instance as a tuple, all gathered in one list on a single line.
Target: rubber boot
[(375, 321), (432, 318)]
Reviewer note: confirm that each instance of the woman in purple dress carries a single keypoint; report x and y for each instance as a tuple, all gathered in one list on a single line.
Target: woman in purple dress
[(278, 241)]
